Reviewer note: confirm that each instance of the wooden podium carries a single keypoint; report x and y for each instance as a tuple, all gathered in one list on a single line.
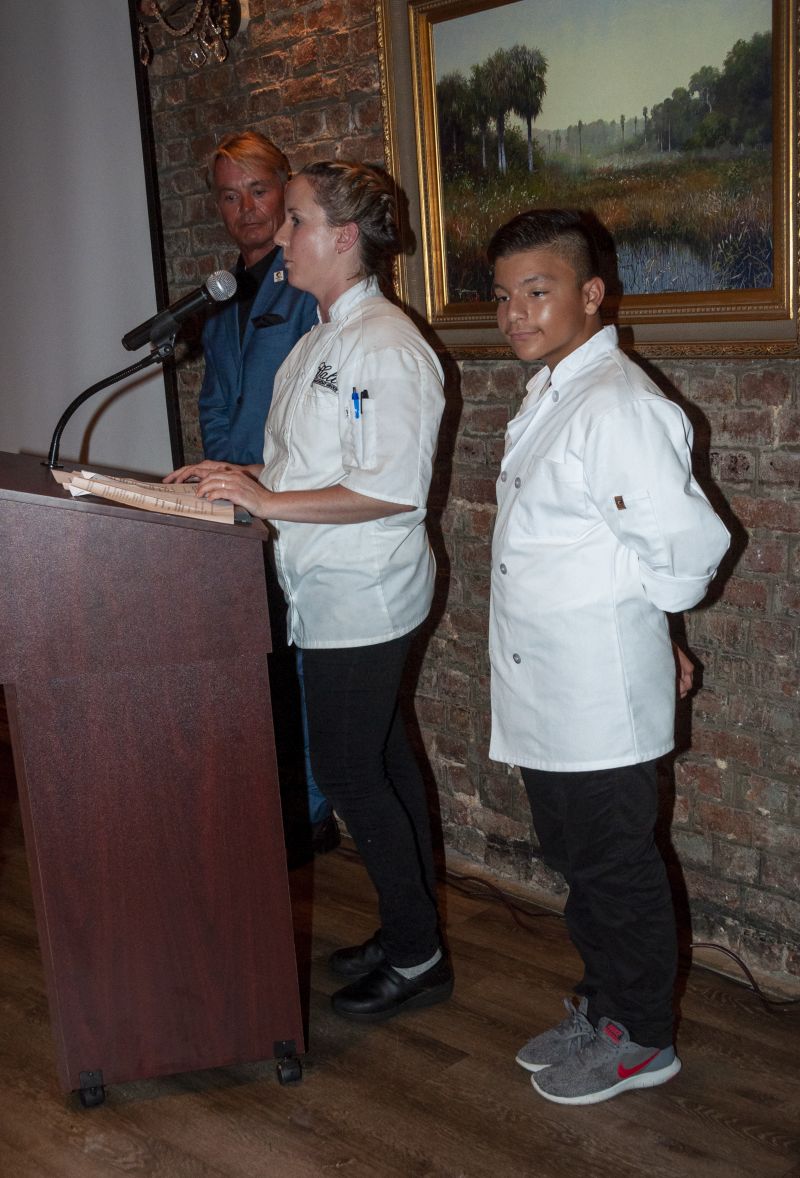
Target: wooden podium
[(133, 655)]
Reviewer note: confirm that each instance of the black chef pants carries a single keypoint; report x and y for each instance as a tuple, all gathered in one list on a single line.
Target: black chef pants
[(363, 763), (596, 829)]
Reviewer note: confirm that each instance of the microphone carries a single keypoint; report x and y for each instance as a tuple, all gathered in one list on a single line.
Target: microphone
[(219, 287)]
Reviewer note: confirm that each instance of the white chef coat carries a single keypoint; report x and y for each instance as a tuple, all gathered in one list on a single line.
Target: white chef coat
[(600, 529), (363, 583)]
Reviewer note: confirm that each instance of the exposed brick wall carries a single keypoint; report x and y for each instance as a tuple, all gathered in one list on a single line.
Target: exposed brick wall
[(306, 74)]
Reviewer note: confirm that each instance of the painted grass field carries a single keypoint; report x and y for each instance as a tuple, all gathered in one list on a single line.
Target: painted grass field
[(679, 223)]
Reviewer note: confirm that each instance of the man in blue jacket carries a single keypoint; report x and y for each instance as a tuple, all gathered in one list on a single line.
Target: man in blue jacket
[(245, 342)]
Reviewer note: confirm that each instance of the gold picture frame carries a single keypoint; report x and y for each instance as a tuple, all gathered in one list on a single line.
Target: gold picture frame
[(731, 322)]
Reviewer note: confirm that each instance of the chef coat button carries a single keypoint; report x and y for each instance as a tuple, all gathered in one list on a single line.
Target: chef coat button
[(518, 482), (555, 394), (503, 568), (503, 476), (516, 658)]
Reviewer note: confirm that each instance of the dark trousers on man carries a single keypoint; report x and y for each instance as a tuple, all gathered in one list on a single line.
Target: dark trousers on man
[(596, 829), (364, 764)]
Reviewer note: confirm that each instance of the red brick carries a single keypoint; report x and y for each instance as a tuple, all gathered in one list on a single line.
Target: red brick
[(775, 514), (764, 556), (315, 88), (210, 239), (479, 521), (788, 600), (705, 778), (363, 79), (772, 637), (484, 419), (680, 812), (474, 488), (310, 124), (732, 631), (338, 120), (460, 779), (776, 836), (766, 795), (430, 712), (732, 466), (780, 468), (747, 594), (727, 746), (774, 909), (701, 886), (782, 873), (716, 389), (336, 50), (368, 113), (304, 55), (280, 129), (184, 270), (765, 386), (736, 863), (736, 426), (364, 41), (789, 428), (475, 385), (471, 451), (508, 379), (263, 103), (329, 15), (279, 26), (779, 677)]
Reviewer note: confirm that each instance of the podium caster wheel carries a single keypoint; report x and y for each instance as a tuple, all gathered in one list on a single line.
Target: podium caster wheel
[(290, 1071), (92, 1097)]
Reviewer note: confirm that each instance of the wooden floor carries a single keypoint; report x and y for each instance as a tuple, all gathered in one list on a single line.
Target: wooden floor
[(435, 1093)]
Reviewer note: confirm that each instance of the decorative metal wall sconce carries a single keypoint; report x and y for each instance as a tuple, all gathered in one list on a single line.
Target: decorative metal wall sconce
[(212, 24)]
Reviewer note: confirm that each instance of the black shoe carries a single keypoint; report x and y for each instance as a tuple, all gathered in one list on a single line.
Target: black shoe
[(325, 835), (358, 961), (384, 993)]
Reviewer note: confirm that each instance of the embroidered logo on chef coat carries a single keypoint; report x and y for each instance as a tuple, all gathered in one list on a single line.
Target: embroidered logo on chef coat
[(326, 377), (619, 503)]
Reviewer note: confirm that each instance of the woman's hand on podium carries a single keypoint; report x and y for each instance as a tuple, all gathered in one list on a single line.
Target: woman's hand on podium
[(225, 480), (198, 470)]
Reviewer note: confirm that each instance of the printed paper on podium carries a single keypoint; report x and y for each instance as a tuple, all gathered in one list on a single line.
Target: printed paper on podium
[(172, 499)]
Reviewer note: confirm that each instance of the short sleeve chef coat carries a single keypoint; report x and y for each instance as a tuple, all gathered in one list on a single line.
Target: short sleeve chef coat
[(356, 584), (601, 527)]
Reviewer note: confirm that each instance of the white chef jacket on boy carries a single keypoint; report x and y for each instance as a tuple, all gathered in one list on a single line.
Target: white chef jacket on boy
[(601, 527), (357, 402)]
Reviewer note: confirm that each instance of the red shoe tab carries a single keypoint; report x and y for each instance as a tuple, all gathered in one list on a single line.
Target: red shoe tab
[(624, 1073), (614, 1032)]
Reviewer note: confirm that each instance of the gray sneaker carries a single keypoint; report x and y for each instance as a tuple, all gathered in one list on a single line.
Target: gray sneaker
[(557, 1044), (606, 1066)]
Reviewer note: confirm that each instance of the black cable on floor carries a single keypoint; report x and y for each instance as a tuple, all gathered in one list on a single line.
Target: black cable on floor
[(518, 910), (515, 908)]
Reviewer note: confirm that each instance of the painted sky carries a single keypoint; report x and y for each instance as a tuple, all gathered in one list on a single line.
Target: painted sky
[(605, 57)]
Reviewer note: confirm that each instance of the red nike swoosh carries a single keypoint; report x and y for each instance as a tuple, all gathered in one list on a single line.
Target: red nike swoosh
[(624, 1072)]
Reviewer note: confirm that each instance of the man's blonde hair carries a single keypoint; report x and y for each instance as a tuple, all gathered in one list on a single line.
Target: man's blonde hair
[(250, 150)]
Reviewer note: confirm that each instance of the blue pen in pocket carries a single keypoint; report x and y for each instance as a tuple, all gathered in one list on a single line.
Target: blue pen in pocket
[(356, 404)]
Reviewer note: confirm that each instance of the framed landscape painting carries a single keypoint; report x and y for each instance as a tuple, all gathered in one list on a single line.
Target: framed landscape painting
[(673, 125)]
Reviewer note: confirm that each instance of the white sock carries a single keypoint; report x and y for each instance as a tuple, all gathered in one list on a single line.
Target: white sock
[(414, 971)]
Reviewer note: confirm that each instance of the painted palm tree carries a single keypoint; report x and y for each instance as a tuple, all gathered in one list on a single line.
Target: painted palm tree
[(454, 102), (499, 89), (528, 87), (481, 106)]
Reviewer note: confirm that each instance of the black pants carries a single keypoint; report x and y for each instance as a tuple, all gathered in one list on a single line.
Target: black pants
[(596, 828), (363, 763)]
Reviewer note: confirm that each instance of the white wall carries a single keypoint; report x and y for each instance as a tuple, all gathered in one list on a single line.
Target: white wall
[(75, 263)]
